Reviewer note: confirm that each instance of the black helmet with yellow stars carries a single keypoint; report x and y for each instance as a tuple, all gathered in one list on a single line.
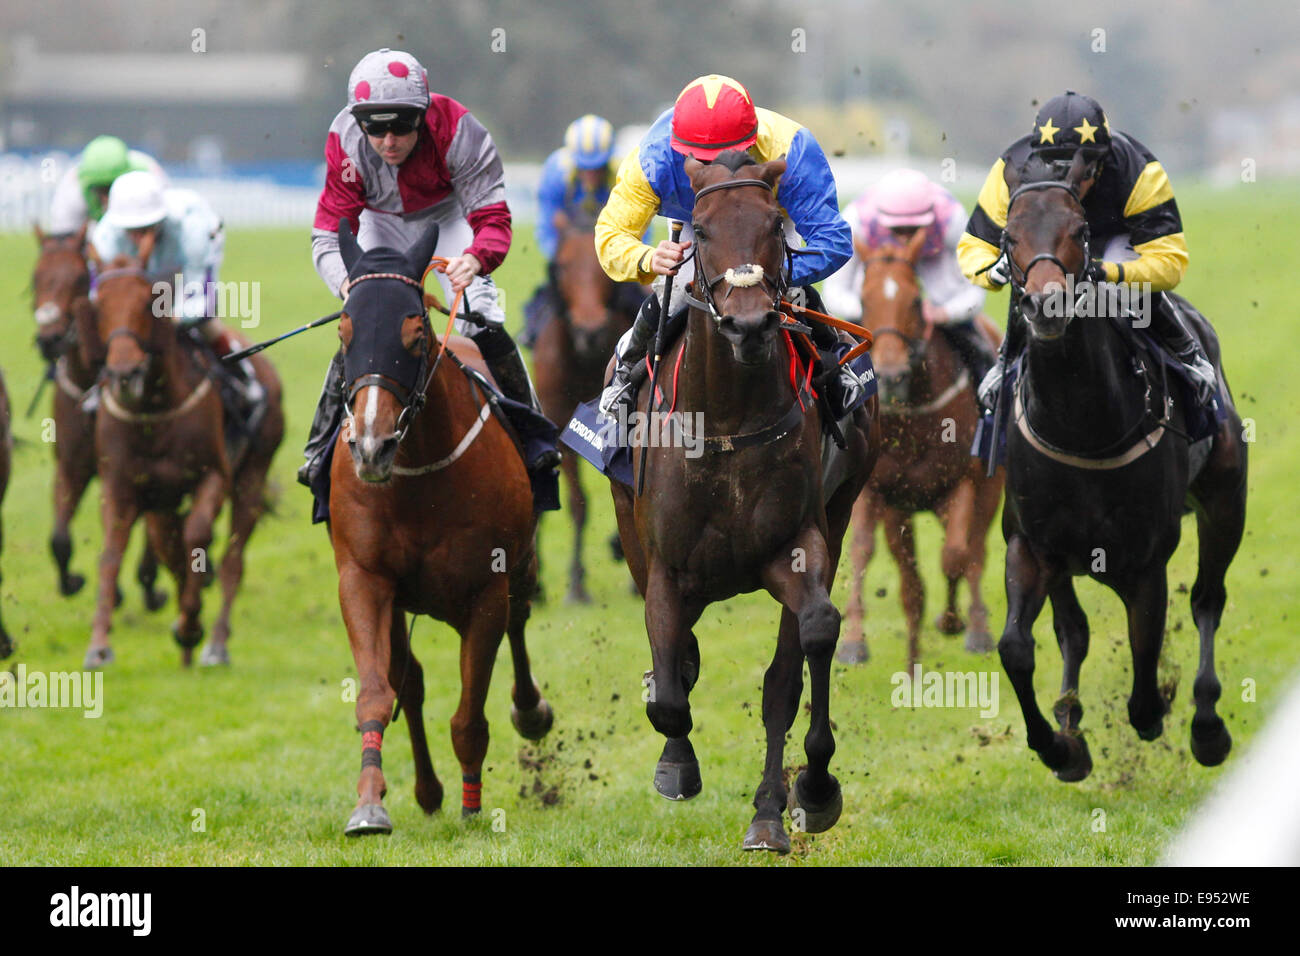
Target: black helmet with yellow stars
[(1068, 123)]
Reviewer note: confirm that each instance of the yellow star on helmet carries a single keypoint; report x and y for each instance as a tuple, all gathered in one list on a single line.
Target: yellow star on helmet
[(1087, 132), (1048, 132), (713, 84)]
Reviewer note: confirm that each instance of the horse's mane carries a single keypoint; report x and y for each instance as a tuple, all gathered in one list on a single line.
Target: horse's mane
[(734, 160)]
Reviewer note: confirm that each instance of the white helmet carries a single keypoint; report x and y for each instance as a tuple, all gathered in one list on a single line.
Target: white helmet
[(388, 78), (135, 200)]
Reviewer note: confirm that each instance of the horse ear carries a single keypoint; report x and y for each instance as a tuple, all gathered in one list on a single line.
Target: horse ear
[(693, 169), (81, 234), (1011, 176), (419, 255), (349, 249), (93, 258), (912, 251), (861, 248), (145, 250), (1083, 173), (560, 221), (771, 172), (40, 233), (93, 353)]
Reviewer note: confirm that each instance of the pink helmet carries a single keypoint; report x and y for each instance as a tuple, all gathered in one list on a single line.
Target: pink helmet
[(904, 197)]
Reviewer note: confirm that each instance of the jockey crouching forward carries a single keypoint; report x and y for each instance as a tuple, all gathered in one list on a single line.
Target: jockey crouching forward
[(575, 184), (888, 214), (398, 156), (712, 115), (189, 242), (1131, 215)]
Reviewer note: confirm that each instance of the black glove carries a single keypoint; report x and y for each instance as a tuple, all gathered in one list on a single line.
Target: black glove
[(1095, 271)]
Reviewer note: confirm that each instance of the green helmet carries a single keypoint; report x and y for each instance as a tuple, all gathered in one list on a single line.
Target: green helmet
[(102, 161)]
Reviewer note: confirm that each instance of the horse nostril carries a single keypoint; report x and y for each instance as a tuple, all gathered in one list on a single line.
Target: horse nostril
[(1029, 306)]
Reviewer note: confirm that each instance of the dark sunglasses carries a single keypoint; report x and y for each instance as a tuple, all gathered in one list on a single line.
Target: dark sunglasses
[(397, 125)]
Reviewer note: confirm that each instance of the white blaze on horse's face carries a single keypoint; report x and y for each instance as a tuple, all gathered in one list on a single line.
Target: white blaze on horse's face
[(890, 288), (369, 436)]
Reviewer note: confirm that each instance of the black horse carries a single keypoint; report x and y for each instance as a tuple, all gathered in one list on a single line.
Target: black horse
[(1100, 471)]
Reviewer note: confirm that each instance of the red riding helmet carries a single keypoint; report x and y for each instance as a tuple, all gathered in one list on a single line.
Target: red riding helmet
[(712, 115)]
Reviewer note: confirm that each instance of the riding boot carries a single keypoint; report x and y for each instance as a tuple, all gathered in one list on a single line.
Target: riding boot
[(972, 348), (329, 409), (630, 352), (839, 382), (1012, 345), (1167, 326), (507, 367)]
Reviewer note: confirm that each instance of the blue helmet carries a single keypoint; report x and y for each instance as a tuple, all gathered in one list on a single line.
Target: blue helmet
[(590, 141)]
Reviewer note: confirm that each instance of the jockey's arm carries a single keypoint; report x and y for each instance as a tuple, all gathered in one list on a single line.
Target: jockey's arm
[(1156, 232), (946, 288), (807, 193), (980, 245), (842, 290), (343, 197), (623, 222), (478, 178), (550, 200)]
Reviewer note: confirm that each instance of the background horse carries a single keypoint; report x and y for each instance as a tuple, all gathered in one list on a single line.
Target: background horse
[(6, 455), (159, 428), (569, 358), (431, 512), (928, 414), (1098, 475), (62, 278), (753, 511)]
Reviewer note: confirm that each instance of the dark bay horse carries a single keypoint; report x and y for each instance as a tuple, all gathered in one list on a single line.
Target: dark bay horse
[(431, 512), (928, 412), (1099, 474), (570, 355), (6, 455), (752, 511), (60, 281), (161, 445)]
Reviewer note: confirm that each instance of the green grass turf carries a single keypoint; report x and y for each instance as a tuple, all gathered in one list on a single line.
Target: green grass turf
[(267, 751)]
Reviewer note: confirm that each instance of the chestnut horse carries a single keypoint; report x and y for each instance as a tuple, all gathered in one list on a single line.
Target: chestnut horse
[(928, 414), (571, 352), (752, 510), (1099, 474), (6, 453), (61, 277), (161, 439), (431, 512)]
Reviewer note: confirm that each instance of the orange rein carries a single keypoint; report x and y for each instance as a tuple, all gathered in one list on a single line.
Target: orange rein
[(849, 327), (439, 264)]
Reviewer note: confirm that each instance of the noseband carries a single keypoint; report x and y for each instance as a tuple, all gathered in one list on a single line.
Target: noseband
[(1018, 282)]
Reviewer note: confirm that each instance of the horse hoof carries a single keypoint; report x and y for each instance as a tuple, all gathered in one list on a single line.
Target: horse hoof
[(766, 835), (72, 584), (1152, 731), (853, 652), (98, 657), (533, 724), (214, 655), (187, 640), (979, 642), (577, 595), (1076, 763), (816, 817), (1210, 746), (367, 819), (155, 599), (678, 779), (950, 623)]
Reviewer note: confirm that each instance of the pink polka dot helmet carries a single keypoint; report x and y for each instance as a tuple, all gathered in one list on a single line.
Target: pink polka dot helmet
[(388, 80)]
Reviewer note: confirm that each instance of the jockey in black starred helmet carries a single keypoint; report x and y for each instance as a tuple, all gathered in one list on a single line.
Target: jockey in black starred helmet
[(1067, 124)]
